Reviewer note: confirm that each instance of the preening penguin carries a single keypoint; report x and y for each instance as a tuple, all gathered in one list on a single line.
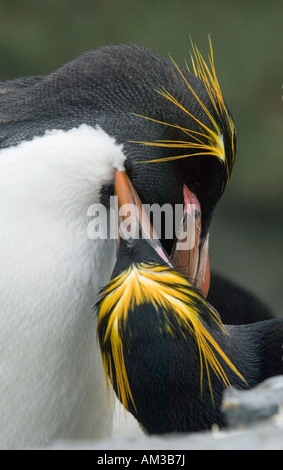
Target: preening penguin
[(61, 136), (165, 349)]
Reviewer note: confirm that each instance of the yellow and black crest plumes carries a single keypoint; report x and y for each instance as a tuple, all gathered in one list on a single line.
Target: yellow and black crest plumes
[(215, 139), (169, 292)]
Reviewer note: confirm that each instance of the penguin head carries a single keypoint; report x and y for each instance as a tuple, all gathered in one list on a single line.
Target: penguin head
[(175, 128)]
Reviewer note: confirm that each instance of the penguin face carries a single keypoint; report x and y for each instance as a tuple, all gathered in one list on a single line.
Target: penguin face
[(176, 130)]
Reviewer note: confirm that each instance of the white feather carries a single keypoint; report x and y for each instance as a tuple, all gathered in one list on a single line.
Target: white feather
[(52, 382)]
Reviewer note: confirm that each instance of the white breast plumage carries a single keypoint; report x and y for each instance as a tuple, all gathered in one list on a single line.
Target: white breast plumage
[(51, 378)]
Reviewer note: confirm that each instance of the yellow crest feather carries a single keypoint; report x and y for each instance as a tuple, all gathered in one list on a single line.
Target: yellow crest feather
[(208, 141)]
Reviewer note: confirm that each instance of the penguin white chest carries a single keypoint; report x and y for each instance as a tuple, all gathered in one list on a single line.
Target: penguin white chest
[(51, 379)]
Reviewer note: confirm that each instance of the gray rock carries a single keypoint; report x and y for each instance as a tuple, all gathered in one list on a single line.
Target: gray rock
[(245, 407)]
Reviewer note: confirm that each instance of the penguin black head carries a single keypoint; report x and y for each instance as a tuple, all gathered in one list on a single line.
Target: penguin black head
[(191, 126), (179, 130)]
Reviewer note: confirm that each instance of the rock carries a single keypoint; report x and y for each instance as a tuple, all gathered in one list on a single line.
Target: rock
[(244, 407)]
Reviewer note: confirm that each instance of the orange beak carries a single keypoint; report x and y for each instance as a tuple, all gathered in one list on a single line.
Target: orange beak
[(194, 261), (188, 255)]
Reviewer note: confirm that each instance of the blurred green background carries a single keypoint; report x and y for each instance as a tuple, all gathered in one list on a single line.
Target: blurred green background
[(37, 36)]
